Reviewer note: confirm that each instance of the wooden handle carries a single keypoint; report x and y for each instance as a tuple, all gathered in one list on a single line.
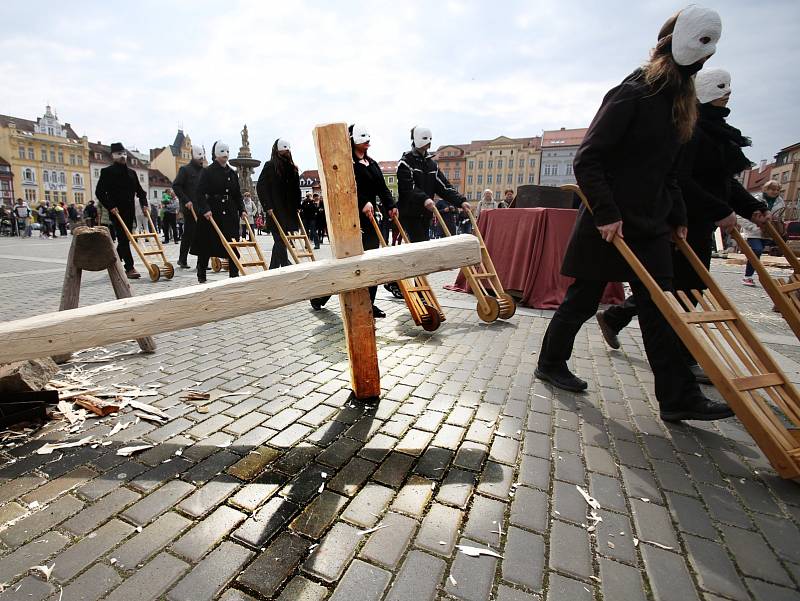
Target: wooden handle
[(440, 219), (377, 230)]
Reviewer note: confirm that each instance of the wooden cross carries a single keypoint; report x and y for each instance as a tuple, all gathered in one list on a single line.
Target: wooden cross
[(349, 274)]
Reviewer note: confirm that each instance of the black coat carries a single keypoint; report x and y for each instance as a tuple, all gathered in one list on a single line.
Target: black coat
[(371, 187), (280, 193), (116, 189), (419, 178), (308, 209), (185, 186), (218, 192), (627, 167)]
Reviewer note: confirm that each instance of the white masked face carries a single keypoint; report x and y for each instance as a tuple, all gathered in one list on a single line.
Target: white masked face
[(119, 157), (422, 137), (198, 153), (697, 31), (360, 134), (712, 84), (221, 150), (284, 145)]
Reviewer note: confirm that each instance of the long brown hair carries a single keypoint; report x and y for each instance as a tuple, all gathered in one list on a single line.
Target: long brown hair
[(663, 72)]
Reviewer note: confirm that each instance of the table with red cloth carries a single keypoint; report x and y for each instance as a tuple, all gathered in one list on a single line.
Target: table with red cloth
[(527, 247)]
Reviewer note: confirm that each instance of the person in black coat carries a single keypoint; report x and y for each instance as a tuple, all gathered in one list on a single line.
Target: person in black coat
[(116, 189), (185, 186), (372, 193), (308, 210), (712, 196), (278, 190), (626, 166), (218, 198), (418, 180)]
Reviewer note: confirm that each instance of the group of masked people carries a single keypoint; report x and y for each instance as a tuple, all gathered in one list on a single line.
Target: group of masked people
[(658, 161)]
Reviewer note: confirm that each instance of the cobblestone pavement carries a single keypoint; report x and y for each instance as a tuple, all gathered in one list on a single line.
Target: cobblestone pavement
[(274, 494)]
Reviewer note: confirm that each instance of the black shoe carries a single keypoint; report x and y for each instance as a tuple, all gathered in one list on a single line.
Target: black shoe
[(565, 380), (201, 279), (316, 304), (377, 312), (183, 265), (699, 374), (609, 334), (705, 410)]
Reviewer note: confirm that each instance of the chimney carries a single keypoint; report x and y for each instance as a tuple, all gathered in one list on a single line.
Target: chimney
[(763, 165), (562, 129)]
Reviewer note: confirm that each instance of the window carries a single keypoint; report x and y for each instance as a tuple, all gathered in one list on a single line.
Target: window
[(490, 164), (519, 178), (533, 163), (77, 180), (499, 179), (46, 177), (98, 156), (510, 179), (546, 170), (54, 177), (44, 154), (447, 174), (530, 178), (469, 194), (62, 178), (47, 195), (569, 169), (31, 156), (30, 195), (63, 197), (490, 153), (72, 160), (488, 179), (97, 173), (391, 179), (79, 198), (80, 160), (471, 165), (500, 163), (29, 175), (155, 194), (60, 156), (50, 131), (480, 165), (141, 177), (511, 163), (22, 152), (469, 180), (52, 156), (480, 180), (458, 173)]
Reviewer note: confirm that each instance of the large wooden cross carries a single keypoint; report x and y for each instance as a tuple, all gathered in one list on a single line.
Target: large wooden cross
[(349, 274)]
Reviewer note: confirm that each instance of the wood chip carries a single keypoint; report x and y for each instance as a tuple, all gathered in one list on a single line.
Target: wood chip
[(43, 570), (128, 451), (95, 405), (371, 530), (477, 551), (588, 498), (148, 408), (49, 447)]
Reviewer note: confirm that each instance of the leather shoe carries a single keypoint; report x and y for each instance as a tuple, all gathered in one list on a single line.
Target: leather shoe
[(565, 380), (609, 334), (132, 274), (316, 304), (201, 279), (704, 409), (377, 312), (699, 374)]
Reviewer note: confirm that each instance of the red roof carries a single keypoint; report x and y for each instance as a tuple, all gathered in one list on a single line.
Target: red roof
[(4, 162), (388, 167), (157, 178), (563, 137), (755, 179)]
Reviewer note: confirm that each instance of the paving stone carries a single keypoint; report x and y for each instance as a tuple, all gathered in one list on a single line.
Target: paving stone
[(413, 497), (207, 533), (418, 578), (506, 593), (754, 557), (144, 511), (368, 505), (318, 515), (474, 576), (394, 469), (265, 523), (756, 496), (306, 484), (40, 521), (92, 584), (724, 506), (150, 540), (253, 495), (414, 442), (562, 588), (538, 445), (600, 460), (640, 484), (210, 467), (12, 489), (529, 509), (782, 535), (714, 570), (672, 476), (209, 425), (361, 581), (433, 463), (668, 574), (151, 581), (523, 559), (764, 591), (483, 518), (274, 565), (387, 545), (35, 552), (377, 448), (691, 516), (30, 588), (653, 523), (535, 472), (615, 537), (78, 556), (295, 459), (569, 550), (290, 436), (233, 594), (160, 474), (114, 478), (504, 449), (619, 581), (302, 589), (54, 488), (470, 455), (441, 525), (496, 480), (328, 561), (350, 478), (568, 504), (449, 437), (209, 496), (457, 487), (607, 491), (94, 515), (212, 574)]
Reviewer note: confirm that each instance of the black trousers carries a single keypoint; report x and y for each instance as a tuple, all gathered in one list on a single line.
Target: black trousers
[(280, 256), (675, 385), (417, 228), (202, 266), (170, 224), (123, 245), (189, 225)]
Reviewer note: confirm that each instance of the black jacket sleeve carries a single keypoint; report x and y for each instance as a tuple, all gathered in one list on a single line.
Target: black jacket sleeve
[(446, 190), (179, 186), (264, 188), (744, 203), (606, 131), (202, 190), (296, 195), (411, 196), (704, 204)]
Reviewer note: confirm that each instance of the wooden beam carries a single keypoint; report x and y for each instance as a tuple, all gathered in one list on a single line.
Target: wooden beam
[(335, 161), (170, 310)]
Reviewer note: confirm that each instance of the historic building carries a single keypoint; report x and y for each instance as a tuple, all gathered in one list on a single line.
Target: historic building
[(389, 170), (170, 158), (786, 172), (754, 179), (310, 183), (452, 162), (6, 183), (48, 160), (157, 183), (558, 153)]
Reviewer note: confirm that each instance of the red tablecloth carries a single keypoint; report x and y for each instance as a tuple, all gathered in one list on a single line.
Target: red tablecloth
[(527, 247)]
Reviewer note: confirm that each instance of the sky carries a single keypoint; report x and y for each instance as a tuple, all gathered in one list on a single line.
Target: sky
[(135, 72)]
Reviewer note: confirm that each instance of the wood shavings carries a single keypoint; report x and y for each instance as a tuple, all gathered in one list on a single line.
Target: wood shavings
[(202, 409), (49, 447), (118, 427), (371, 530), (65, 409), (95, 405), (150, 418), (43, 570), (452, 580), (148, 409), (128, 451), (477, 551), (659, 545), (589, 499)]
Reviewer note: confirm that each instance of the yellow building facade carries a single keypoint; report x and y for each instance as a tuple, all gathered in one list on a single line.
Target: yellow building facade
[(500, 164), (49, 160), (170, 158)]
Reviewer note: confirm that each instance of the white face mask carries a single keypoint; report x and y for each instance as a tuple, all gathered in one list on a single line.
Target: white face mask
[(221, 150), (284, 145), (198, 153), (119, 155), (712, 84), (695, 36), (360, 134), (422, 137)]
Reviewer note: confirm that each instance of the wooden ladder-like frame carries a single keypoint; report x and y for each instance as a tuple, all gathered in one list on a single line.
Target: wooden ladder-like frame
[(782, 291), (289, 240), (148, 246), (731, 355), (254, 257)]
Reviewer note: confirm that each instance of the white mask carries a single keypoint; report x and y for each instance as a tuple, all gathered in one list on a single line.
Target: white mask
[(422, 137), (198, 152), (360, 134), (712, 84), (221, 149), (284, 145), (692, 25), (119, 155)]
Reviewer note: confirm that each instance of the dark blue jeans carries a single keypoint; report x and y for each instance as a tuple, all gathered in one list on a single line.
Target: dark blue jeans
[(757, 244)]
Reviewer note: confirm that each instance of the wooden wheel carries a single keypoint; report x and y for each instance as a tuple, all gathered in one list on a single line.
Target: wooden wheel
[(154, 272), (492, 313), (430, 320), (225, 263), (507, 306), (216, 264), (169, 270)]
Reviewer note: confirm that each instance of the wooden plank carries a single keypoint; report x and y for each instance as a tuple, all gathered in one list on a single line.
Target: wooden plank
[(708, 316), (757, 381), (139, 316), (335, 160)]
